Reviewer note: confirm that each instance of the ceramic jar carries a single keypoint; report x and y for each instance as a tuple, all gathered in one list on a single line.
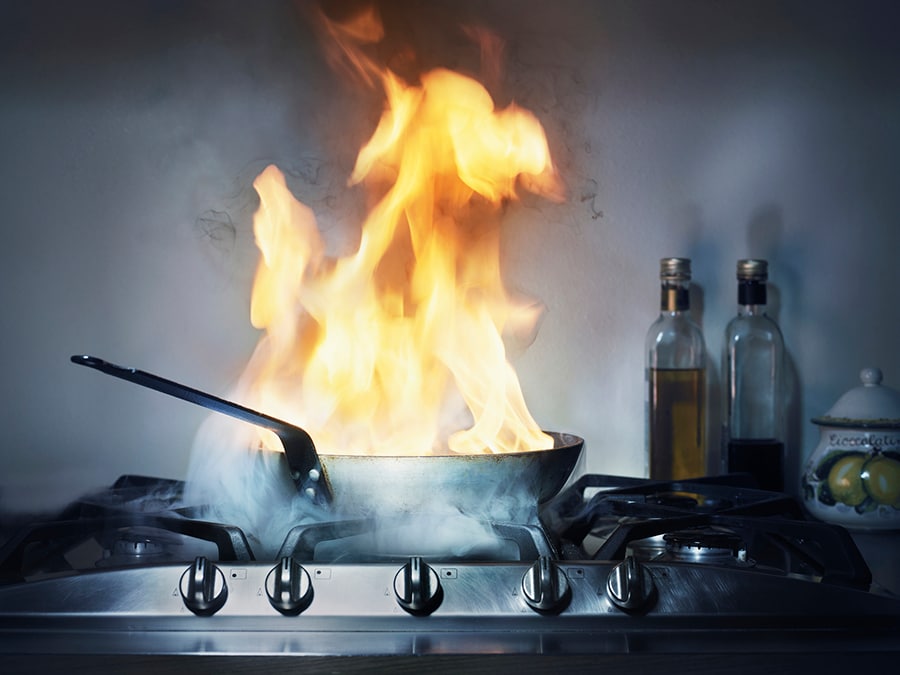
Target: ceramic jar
[(852, 477)]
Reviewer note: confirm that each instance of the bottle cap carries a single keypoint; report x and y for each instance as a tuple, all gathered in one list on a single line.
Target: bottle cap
[(675, 269), (752, 270)]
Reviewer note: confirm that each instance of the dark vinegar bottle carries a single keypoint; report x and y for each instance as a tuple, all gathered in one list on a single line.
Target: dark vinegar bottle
[(753, 370)]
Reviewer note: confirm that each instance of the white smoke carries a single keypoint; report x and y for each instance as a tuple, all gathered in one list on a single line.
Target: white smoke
[(236, 483)]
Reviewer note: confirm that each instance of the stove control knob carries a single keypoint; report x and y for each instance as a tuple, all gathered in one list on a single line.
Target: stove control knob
[(203, 587), (546, 587), (630, 586), (288, 587), (418, 588)]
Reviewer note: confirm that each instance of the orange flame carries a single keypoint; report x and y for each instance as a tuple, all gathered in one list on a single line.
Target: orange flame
[(379, 351)]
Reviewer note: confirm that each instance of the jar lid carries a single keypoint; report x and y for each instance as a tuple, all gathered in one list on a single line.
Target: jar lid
[(870, 405)]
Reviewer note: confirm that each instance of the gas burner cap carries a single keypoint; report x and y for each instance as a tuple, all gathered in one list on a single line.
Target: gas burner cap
[(706, 545), (646, 549), (136, 545)]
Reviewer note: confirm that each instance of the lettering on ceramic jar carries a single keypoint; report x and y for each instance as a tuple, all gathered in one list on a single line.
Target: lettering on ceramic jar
[(877, 441)]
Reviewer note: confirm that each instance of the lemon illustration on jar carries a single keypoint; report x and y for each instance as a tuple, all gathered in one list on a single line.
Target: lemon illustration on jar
[(845, 480), (880, 478)]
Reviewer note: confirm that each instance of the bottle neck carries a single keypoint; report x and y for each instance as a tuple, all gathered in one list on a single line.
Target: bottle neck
[(751, 292), (674, 296), (752, 310)]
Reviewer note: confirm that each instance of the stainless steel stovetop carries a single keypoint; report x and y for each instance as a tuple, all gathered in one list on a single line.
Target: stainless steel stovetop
[(614, 567)]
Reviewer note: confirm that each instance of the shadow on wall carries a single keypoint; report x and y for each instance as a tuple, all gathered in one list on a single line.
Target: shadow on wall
[(702, 247), (765, 239)]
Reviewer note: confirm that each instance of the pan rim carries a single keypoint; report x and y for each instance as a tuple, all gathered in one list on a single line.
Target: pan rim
[(561, 441)]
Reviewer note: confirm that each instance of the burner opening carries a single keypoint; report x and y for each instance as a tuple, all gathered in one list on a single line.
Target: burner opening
[(705, 545), (141, 545), (646, 549)]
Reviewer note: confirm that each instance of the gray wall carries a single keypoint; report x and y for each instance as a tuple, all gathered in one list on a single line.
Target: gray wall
[(131, 131)]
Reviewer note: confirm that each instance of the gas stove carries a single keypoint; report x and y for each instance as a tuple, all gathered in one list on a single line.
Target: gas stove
[(612, 567)]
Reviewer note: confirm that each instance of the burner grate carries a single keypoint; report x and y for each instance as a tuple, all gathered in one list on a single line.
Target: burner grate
[(624, 515), (396, 540), (137, 520)]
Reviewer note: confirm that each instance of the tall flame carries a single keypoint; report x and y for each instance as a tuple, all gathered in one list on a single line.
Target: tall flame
[(379, 351)]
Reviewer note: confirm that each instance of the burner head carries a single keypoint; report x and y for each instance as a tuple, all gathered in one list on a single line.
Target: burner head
[(139, 545), (137, 548), (714, 545), (648, 548)]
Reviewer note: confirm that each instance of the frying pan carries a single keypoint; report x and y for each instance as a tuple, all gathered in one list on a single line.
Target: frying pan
[(387, 484)]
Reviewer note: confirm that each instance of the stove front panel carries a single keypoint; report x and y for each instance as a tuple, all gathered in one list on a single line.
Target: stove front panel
[(483, 608)]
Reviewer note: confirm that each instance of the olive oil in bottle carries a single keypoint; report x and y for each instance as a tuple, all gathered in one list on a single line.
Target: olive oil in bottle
[(676, 381), (677, 423)]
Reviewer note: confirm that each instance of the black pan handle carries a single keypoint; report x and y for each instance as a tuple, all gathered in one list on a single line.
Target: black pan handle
[(299, 449)]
